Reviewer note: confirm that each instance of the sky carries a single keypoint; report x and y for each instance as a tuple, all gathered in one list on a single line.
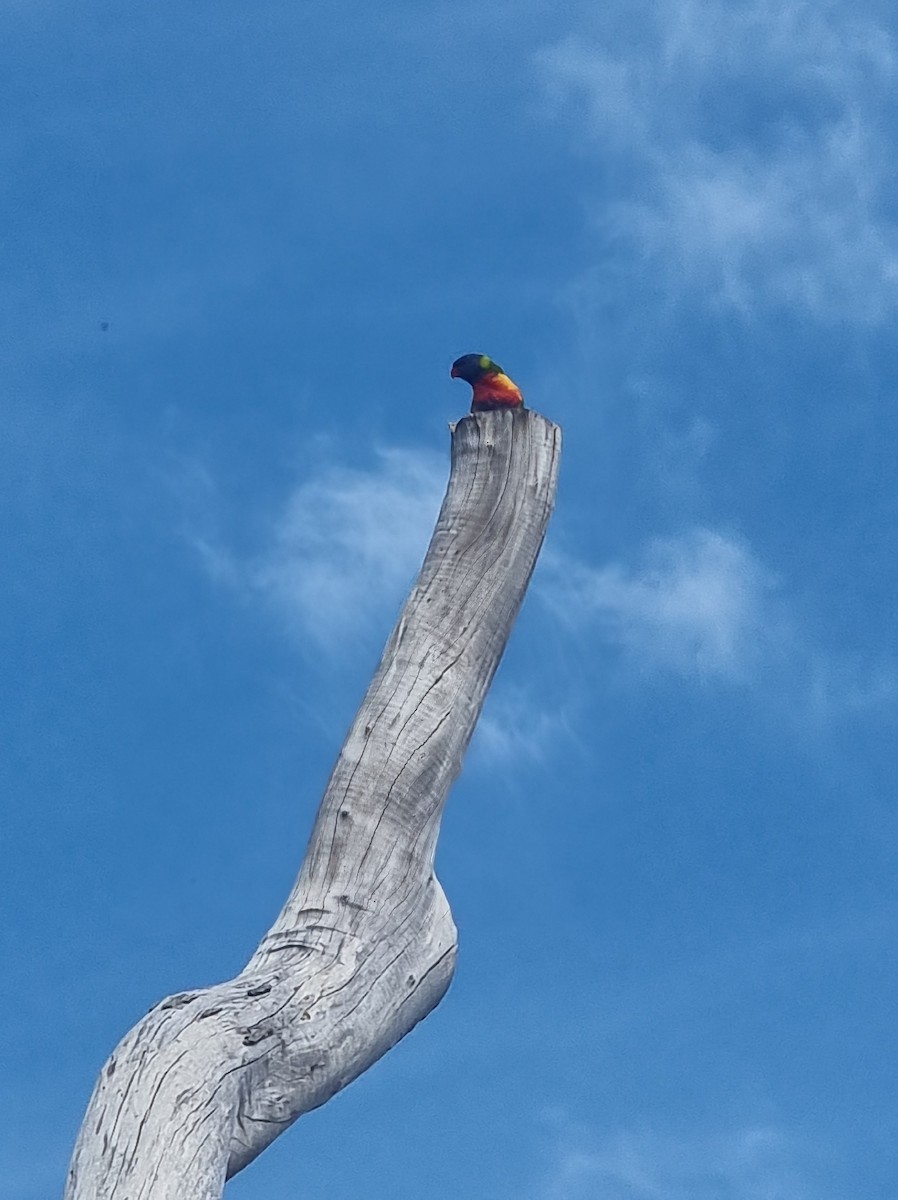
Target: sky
[(241, 246)]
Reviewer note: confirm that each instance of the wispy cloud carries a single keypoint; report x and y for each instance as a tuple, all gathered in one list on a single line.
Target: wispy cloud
[(704, 606), (756, 1162), (744, 150), (349, 542), (333, 565), (338, 557), (518, 727), (699, 604)]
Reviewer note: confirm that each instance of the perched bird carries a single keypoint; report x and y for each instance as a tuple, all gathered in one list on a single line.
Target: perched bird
[(492, 387)]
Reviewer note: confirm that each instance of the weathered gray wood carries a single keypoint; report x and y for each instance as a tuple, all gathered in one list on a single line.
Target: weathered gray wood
[(365, 945)]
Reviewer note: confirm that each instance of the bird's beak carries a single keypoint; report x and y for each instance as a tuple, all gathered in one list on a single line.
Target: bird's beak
[(453, 374)]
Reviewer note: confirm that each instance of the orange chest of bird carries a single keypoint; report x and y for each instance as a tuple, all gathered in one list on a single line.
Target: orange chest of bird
[(496, 391)]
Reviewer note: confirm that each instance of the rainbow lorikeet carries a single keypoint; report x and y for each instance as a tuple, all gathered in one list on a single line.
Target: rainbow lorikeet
[(492, 387)]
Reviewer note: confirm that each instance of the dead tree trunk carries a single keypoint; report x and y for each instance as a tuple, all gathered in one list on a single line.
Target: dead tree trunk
[(365, 945)]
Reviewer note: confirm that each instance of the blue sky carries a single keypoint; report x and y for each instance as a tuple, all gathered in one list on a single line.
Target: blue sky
[(671, 852)]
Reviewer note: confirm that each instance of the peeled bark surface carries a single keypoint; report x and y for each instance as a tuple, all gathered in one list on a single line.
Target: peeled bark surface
[(365, 945)]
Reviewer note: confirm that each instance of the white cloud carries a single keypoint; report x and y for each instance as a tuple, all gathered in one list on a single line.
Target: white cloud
[(336, 561), (699, 604), (348, 544), (518, 728), (702, 605), (745, 150), (751, 1163)]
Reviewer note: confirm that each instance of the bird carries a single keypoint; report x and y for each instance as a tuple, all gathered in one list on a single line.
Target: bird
[(492, 387)]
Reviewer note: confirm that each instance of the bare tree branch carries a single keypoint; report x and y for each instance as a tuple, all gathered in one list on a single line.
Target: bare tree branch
[(365, 945)]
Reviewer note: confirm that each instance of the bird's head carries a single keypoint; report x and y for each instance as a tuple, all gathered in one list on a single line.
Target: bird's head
[(472, 367)]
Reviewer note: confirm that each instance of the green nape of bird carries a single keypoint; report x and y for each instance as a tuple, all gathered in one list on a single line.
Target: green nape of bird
[(492, 387)]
